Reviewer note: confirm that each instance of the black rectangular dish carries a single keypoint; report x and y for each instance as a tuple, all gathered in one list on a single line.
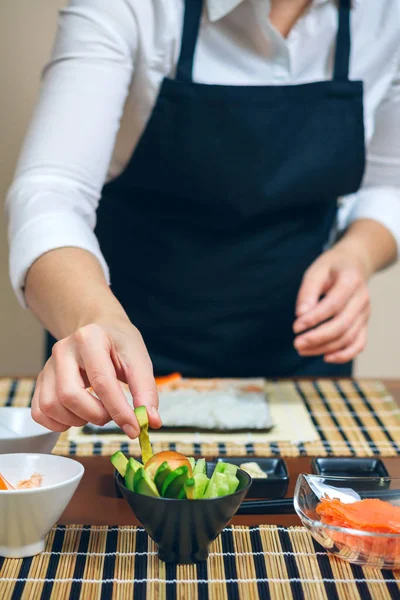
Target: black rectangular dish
[(367, 468), (276, 483), (349, 467)]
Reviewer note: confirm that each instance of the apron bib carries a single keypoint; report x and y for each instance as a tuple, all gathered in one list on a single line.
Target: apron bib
[(230, 195)]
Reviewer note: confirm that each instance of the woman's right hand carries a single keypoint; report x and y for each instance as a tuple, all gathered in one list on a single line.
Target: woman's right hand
[(96, 355)]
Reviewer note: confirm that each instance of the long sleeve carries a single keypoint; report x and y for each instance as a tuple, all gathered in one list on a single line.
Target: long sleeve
[(379, 196), (66, 155)]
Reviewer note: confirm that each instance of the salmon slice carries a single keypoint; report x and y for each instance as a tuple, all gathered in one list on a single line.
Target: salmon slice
[(370, 514)]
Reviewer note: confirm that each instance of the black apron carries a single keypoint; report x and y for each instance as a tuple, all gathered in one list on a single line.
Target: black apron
[(230, 195)]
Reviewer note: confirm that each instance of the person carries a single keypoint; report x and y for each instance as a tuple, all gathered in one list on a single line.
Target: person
[(237, 224)]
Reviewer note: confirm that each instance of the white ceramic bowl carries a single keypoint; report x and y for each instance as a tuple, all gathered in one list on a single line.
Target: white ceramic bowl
[(26, 516), (20, 433)]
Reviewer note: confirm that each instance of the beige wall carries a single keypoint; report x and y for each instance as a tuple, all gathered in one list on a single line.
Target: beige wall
[(26, 32)]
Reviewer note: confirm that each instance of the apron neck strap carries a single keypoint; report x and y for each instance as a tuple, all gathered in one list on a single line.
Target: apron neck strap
[(191, 25), (343, 42)]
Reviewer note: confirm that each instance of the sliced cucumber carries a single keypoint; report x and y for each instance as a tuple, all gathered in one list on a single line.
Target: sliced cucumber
[(200, 467), (175, 482), (218, 486), (233, 482), (190, 488), (200, 484), (223, 467), (161, 474)]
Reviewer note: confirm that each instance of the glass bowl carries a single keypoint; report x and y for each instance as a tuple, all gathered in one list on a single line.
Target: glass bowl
[(356, 546)]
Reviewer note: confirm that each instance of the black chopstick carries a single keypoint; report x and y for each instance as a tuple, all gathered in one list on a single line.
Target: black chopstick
[(267, 507)]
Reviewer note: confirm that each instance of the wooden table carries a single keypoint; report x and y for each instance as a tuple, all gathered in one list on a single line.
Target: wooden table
[(95, 502)]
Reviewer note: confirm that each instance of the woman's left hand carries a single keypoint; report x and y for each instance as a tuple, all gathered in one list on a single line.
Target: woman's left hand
[(337, 321)]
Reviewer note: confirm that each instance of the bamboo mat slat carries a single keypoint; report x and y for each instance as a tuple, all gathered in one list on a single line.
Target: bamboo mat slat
[(348, 418), (245, 563)]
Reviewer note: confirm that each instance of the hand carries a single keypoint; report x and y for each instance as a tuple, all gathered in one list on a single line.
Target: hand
[(97, 355), (338, 321)]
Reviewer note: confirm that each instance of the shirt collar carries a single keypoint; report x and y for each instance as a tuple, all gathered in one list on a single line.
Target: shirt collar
[(217, 9)]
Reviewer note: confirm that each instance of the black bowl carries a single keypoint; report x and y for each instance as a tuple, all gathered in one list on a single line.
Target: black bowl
[(184, 529)]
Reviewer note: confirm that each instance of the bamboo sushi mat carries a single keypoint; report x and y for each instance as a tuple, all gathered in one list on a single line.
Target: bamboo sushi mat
[(245, 563), (335, 418)]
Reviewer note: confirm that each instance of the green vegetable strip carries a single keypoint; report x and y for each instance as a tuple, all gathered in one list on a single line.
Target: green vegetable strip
[(144, 440)]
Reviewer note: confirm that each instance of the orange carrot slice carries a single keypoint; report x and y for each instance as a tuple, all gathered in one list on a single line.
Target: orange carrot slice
[(168, 378), (4, 484)]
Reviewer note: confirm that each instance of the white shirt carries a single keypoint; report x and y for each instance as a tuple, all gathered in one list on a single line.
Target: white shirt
[(100, 86)]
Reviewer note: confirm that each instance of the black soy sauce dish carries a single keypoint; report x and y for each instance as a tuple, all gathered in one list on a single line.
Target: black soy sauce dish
[(365, 468), (275, 485), (184, 529)]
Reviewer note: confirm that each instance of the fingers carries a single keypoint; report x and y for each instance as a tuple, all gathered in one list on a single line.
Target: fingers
[(347, 354), (94, 349), (49, 400), (339, 343), (139, 375), (90, 357), (37, 414), (333, 330), (72, 395), (316, 281), (346, 282)]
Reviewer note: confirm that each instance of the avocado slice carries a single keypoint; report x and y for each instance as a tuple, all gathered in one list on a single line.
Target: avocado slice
[(120, 462), (143, 484), (144, 440), (174, 483), (200, 467), (131, 469), (192, 461), (161, 474), (190, 488)]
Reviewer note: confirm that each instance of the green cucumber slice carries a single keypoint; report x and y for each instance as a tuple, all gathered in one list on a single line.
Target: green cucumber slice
[(218, 486), (200, 467), (190, 488), (200, 484), (233, 482), (174, 482), (161, 474), (223, 467)]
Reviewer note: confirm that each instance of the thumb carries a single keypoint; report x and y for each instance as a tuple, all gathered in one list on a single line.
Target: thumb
[(316, 281)]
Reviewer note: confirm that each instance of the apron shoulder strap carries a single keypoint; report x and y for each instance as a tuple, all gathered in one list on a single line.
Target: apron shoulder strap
[(191, 26), (343, 42)]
